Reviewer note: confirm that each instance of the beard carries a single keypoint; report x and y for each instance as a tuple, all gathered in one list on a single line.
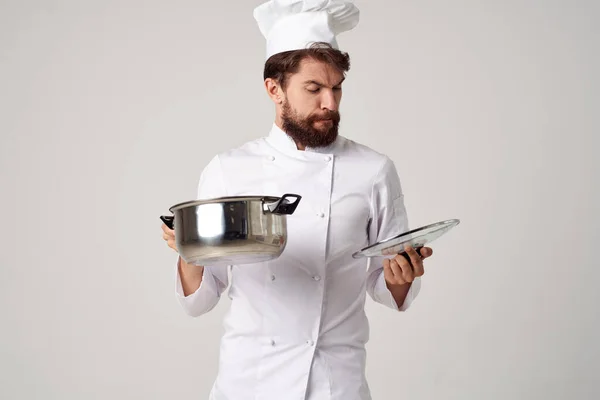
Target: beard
[(305, 131)]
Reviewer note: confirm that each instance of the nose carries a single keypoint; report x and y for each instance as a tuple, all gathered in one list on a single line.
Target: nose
[(329, 100)]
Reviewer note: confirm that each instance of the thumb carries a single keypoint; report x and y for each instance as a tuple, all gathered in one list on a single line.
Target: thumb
[(426, 252)]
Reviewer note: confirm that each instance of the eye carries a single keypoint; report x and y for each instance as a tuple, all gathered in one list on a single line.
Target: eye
[(337, 89), (313, 90)]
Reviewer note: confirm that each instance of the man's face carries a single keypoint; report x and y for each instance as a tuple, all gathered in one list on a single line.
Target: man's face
[(311, 101)]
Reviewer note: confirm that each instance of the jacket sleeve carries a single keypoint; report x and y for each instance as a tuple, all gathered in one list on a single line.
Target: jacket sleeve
[(215, 279), (388, 219)]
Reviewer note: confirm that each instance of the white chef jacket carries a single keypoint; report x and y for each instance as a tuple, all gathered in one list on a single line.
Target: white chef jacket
[(296, 328)]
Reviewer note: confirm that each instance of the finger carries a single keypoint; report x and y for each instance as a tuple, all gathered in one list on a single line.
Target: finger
[(426, 252), (415, 257), (400, 276), (166, 229), (405, 267), (418, 269), (172, 244), (416, 261), (388, 274)]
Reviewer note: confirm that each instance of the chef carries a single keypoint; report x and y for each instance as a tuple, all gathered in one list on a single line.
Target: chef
[(297, 328)]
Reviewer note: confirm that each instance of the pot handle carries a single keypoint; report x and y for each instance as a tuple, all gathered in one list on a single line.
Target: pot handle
[(169, 221), (283, 205)]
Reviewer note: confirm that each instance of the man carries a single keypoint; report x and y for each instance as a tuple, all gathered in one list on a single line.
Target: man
[(297, 327)]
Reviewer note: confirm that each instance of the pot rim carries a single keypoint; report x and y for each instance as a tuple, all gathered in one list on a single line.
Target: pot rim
[(224, 199)]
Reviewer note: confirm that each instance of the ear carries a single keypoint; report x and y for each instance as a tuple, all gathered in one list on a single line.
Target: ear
[(274, 90)]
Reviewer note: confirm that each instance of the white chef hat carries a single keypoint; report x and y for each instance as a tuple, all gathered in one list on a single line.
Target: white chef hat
[(295, 24)]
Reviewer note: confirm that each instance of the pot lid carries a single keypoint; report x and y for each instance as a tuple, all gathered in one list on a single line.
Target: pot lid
[(414, 238)]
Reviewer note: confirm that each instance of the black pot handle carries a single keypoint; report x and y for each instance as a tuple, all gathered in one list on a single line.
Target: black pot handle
[(169, 221), (284, 206)]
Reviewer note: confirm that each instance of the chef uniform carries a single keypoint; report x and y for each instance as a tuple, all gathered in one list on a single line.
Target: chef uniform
[(296, 328)]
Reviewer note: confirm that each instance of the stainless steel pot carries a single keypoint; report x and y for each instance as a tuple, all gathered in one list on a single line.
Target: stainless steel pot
[(231, 230)]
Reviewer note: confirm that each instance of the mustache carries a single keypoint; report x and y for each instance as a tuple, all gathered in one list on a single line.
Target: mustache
[(332, 115)]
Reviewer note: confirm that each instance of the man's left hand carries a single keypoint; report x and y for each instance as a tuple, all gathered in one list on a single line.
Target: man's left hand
[(400, 271)]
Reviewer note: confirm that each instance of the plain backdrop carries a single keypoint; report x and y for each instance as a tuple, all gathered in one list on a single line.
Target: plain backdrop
[(109, 111)]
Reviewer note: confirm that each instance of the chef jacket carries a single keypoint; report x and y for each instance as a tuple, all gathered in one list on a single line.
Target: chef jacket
[(297, 328)]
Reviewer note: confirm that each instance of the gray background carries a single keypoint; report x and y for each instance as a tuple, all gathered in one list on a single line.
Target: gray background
[(110, 109)]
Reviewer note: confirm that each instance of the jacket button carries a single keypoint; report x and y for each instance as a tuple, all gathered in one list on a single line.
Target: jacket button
[(271, 158), (272, 277), (317, 278)]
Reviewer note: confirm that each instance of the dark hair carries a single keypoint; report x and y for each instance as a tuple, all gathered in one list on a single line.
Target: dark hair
[(280, 66)]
